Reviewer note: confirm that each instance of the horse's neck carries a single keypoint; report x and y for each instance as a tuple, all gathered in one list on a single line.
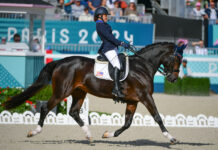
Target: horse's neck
[(153, 61), (154, 54)]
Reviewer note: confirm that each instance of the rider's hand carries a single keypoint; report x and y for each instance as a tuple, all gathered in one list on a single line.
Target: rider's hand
[(125, 45)]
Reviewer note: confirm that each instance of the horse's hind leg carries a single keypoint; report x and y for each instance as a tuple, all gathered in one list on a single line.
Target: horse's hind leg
[(130, 111), (149, 103), (46, 107), (78, 96)]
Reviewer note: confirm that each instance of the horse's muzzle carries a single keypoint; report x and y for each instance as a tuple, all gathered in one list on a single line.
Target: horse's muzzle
[(172, 78)]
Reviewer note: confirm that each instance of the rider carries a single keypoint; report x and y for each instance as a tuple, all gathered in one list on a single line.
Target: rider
[(109, 46)]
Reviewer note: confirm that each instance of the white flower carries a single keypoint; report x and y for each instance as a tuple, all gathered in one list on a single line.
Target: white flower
[(62, 103)]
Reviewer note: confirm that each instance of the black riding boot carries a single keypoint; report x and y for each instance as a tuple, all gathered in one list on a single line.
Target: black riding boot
[(117, 90)]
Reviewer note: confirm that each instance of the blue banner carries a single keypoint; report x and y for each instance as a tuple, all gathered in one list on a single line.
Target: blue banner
[(73, 32), (85, 32), (213, 36)]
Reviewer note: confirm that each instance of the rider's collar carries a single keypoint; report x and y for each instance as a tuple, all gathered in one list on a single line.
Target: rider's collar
[(99, 21)]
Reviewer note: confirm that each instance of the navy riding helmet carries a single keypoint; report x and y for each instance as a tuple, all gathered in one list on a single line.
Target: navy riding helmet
[(100, 11)]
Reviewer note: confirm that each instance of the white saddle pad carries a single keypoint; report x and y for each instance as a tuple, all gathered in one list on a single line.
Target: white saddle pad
[(101, 70)]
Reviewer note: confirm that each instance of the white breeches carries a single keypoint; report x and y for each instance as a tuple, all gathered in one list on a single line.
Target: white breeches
[(112, 56)]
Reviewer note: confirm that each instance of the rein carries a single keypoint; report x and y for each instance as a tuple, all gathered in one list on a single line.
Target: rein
[(161, 70)]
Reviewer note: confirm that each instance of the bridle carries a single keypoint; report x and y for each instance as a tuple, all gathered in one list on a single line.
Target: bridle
[(165, 72)]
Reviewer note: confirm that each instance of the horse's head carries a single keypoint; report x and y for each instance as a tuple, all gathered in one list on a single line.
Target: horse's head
[(171, 62), (167, 54), (171, 67)]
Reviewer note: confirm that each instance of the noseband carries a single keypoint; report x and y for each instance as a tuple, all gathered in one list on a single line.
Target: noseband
[(166, 72)]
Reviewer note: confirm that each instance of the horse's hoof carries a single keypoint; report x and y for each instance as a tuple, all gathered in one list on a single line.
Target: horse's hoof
[(105, 135), (174, 141), (30, 134)]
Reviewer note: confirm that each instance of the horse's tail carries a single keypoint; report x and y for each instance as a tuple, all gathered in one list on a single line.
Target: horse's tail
[(43, 80)]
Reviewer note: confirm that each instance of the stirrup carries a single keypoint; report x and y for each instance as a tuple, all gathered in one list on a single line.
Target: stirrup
[(117, 100), (117, 94)]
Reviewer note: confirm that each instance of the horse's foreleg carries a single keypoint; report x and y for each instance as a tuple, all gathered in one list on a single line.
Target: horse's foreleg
[(150, 105), (44, 111), (130, 111), (78, 99)]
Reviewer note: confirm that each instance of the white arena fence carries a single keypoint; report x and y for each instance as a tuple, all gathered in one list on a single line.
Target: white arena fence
[(29, 117), (115, 119)]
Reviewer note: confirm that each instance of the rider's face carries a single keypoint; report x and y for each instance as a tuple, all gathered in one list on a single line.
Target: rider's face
[(104, 18)]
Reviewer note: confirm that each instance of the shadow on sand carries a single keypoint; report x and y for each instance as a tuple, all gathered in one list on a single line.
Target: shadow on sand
[(139, 142)]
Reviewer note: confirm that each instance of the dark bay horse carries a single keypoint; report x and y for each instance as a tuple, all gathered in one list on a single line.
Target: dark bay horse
[(74, 76)]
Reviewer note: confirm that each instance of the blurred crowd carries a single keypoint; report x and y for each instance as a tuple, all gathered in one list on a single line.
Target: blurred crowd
[(196, 47), (83, 10), (203, 9)]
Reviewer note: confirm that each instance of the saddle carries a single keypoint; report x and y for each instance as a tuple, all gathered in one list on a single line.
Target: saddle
[(104, 70)]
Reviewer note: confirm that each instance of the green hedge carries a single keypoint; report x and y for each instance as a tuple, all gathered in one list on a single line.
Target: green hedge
[(188, 86), (195, 86), (172, 88), (6, 93), (43, 95)]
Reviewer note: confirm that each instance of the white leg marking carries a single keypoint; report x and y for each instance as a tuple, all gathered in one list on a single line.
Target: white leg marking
[(87, 132), (167, 135), (34, 132), (37, 130), (110, 134)]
